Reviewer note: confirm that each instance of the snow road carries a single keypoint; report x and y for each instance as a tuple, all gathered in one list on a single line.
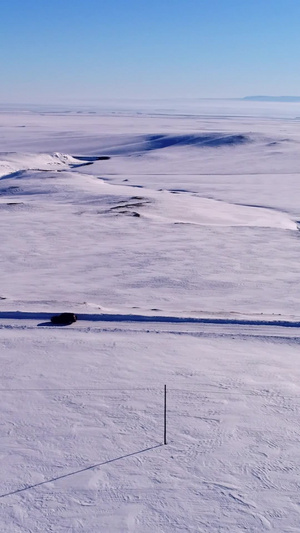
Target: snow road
[(158, 324)]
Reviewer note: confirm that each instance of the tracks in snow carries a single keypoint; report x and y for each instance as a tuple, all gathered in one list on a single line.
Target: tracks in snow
[(134, 323)]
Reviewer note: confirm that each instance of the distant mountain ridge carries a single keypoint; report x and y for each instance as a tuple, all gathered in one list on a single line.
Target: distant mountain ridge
[(272, 98)]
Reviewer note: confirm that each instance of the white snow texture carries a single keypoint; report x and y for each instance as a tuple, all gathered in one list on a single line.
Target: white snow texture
[(179, 252)]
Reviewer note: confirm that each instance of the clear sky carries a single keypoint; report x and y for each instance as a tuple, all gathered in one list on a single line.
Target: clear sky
[(67, 50)]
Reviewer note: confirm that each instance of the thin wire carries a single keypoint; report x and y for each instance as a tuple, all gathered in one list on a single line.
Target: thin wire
[(246, 392)]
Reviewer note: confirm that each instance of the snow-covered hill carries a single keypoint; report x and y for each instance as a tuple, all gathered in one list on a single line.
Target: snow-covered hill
[(180, 256)]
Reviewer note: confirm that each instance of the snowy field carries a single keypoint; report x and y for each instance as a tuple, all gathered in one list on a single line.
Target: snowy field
[(179, 251)]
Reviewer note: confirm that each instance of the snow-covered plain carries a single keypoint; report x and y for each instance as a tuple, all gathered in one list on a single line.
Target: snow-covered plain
[(180, 255)]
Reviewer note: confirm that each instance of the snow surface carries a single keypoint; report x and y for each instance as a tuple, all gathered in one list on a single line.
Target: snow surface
[(180, 255)]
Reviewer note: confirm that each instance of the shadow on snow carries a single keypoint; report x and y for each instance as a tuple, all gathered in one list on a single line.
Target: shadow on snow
[(107, 317), (85, 469)]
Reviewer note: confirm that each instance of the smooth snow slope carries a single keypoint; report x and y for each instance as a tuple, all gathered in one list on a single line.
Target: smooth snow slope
[(180, 255)]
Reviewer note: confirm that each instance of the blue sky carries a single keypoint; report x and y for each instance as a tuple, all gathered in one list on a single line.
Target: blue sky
[(67, 50)]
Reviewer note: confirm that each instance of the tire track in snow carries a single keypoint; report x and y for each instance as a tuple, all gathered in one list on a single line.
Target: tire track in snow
[(157, 324), (269, 334), (136, 318)]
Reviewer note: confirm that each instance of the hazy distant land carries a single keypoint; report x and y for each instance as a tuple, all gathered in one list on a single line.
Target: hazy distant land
[(272, 98)]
